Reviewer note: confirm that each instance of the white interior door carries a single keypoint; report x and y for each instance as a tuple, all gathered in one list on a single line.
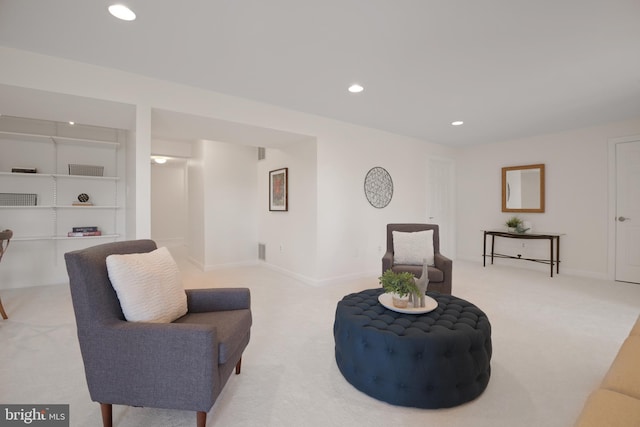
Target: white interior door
[(440, 201), (628, 211)]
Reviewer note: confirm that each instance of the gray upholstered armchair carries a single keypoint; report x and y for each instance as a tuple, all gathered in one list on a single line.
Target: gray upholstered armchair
[(180, 365), (439, 275)]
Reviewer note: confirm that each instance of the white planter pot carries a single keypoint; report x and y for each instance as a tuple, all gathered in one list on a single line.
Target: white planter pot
[(400, 302)]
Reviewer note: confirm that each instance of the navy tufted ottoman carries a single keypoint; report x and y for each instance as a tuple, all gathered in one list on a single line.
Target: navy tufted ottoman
[(435, 360)]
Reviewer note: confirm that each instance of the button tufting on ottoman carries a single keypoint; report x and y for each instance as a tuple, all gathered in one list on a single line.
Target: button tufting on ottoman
[(435, 360)]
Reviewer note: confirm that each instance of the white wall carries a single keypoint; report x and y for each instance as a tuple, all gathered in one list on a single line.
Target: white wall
[(349, 230), (169, 193), (350, 233), (165, 148), (230, 204), (139, 205), (195, 199), (576, 164), (290, 237), (169, 203)]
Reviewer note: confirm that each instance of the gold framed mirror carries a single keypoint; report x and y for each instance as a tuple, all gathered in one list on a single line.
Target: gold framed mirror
[(523, 188)]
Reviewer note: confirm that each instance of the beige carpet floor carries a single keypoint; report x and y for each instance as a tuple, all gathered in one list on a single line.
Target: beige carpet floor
[(553, 340)]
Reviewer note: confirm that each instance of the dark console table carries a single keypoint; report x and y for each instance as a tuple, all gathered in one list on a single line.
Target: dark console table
[(554, 256)]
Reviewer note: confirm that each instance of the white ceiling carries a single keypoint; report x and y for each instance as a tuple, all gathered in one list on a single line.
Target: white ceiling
[(508, 68)]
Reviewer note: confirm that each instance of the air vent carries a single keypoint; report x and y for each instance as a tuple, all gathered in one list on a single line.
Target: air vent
[(262, 252), (262, 153)]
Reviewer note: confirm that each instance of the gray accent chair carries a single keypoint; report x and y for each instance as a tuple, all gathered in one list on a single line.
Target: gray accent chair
[(181, 365), (439, 275)]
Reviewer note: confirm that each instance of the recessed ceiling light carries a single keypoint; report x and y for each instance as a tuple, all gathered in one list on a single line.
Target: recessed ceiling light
[(121, 11), (457, 123), (159, 160), (72, 123), (355, 88)]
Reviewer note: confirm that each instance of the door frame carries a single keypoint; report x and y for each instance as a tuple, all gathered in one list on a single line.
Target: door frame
[(451, 240), (611, 214)]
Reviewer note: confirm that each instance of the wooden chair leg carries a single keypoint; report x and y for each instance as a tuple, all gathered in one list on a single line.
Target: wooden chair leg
[(107, 414), (2, 312), (238, 366), (202, 419)]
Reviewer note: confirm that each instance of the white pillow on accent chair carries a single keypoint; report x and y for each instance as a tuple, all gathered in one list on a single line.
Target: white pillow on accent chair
[(148, 286), (413, 248)]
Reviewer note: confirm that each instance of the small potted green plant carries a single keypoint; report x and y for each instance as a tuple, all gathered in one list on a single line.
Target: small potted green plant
[(516, 225), (513, 224), (399, 285)]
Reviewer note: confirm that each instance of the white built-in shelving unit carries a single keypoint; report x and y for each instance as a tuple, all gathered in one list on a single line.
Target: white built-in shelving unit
[(40, 231)]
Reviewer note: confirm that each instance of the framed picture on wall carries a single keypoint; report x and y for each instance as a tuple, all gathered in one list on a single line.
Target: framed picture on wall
[(279, 190)]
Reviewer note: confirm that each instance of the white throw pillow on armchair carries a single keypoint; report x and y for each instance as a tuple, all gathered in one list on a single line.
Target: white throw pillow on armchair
[(413, 248), (148, 286)]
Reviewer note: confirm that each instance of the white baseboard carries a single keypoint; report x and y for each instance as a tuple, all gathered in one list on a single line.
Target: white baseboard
[(319, 282), (304, 279), (336, 280), (212, 267)]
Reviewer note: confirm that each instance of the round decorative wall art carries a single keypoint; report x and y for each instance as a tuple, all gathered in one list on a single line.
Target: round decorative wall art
[(378, 187)]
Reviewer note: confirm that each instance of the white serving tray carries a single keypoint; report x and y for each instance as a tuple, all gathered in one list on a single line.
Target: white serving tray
[(387, 301)]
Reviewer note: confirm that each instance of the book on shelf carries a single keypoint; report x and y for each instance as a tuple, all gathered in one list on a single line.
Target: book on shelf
[(84, 228), (84, 233), (24, 170), (81, 204)]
